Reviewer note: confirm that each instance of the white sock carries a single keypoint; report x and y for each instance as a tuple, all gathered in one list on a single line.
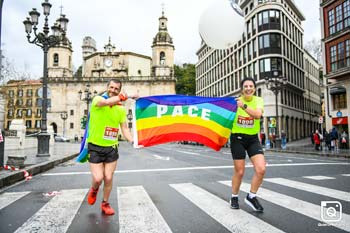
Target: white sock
[(252, 195), (234, 195)]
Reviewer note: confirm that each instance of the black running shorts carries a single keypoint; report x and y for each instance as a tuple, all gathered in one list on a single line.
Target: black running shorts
[(101, 154), (240, 143)]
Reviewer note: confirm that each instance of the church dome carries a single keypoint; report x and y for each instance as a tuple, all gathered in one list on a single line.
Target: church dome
[(162, 36)]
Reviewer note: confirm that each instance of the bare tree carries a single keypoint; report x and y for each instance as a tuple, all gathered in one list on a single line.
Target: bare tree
[(10, 72), (315, 49)]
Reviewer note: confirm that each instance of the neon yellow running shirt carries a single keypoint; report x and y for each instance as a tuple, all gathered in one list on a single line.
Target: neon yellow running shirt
[(104, 123), (243, 122)]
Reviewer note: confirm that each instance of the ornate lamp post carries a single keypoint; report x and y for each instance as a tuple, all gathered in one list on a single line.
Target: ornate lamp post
[(87, 96), (275, 84), (64, 117), (45, 41)]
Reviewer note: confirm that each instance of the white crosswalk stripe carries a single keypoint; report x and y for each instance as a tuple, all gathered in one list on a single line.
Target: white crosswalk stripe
[(319, 177), (345, 174), (341, 195), (10, 197), (137, 212), (299, 206), (235, 221), (57, 214)]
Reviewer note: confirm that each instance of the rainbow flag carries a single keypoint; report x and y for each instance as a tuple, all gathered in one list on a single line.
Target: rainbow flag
[(167, 118)]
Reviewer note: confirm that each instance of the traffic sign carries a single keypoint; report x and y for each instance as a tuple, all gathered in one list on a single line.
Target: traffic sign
[(320, 120)]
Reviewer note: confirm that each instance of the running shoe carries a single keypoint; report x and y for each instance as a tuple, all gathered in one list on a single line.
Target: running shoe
[(234, 203), (106, 208), (92, 196), (254, 203)]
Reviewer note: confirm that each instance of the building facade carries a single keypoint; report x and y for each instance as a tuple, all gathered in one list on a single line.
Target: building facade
[(271, 46), (23, 100), (335, 24), (70, 96)]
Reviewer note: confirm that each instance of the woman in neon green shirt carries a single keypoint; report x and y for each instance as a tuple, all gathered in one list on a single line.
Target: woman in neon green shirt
[(244, 139)]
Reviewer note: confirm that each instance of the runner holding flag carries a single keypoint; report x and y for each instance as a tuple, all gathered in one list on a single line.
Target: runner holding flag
[(105, 118), (244, 139)]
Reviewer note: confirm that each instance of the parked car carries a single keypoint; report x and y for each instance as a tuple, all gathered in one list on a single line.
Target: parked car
[(59, 138)]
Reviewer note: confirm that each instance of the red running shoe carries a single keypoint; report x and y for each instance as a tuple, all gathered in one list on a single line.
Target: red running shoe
[(92, 196), (106, 208)]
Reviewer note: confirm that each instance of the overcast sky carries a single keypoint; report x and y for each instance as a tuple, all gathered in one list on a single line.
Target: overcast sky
[(131, 24)]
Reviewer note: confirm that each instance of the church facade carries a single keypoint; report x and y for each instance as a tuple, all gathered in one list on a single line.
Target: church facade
[(70, 96)]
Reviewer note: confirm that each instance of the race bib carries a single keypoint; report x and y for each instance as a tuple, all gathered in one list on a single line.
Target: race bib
[(245, 122), (111, 133)]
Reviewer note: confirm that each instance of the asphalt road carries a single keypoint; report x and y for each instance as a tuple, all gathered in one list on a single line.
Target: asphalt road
[(184, 188)]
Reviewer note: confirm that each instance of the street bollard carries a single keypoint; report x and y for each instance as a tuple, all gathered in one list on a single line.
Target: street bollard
[(2, 148)]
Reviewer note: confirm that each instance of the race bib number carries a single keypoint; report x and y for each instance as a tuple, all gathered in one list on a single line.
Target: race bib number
[(111, 133), (245, 122)]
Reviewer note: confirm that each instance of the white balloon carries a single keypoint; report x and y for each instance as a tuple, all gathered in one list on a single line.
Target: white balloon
[(221, 25)]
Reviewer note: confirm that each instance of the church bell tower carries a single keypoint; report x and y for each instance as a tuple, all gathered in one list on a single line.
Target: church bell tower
[(163, 50), (59, 57)]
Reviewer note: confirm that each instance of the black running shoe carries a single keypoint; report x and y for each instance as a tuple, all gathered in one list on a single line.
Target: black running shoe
[(234, 203), (254, 203)]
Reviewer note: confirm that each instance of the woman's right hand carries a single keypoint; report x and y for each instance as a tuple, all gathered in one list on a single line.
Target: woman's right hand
[(239, 103)]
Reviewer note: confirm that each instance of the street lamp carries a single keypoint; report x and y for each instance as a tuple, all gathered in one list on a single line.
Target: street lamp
[(45, 41), (87, 96), (275, 84), (64, 117), (130, 117)]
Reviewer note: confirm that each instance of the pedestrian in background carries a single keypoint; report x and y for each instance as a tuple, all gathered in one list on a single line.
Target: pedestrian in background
[(327, 137), (334, 139), (317, 140), (284, 139), (312, 137), (262, 138), (343, 140), (106, 117), (245, 139)]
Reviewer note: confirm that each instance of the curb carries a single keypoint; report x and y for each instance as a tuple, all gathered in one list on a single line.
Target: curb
[(16, 176), (311, 153)]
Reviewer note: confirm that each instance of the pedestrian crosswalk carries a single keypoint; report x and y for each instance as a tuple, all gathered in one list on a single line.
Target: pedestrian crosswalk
[(319, 177), (235, 221), (137, 212), (137, 209), (341, 195), (57, 214), (10, 197), (294, 204)]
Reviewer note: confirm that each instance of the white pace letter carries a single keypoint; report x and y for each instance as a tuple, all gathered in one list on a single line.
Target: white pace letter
[(191, 109), (161, 110), (177, 111), (206, 114)]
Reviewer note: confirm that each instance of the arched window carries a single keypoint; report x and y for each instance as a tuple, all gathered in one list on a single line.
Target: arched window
[(55, 59), (162, 58)]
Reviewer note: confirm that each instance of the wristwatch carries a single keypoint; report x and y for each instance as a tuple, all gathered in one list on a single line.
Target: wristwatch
[(245, 106)]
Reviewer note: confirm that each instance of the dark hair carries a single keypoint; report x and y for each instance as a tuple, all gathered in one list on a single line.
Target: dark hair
[(115, 81), (248, 79)]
